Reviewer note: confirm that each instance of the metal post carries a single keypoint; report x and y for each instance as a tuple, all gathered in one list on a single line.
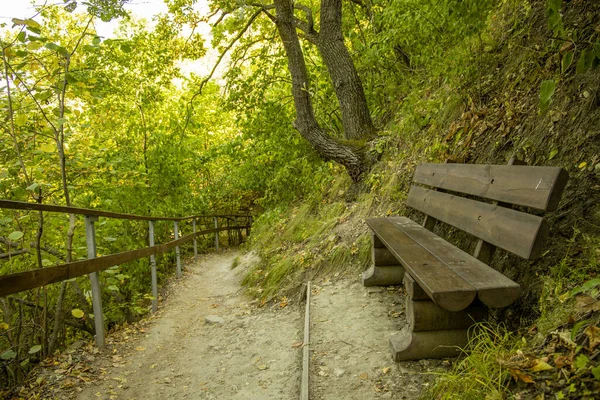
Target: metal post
[(195, 243), (153, 268), (177, 253), (90, 237), (216, 233)]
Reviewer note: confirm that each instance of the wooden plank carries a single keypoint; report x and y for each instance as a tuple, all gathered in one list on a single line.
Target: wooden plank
[(531, 186), (14, 283), (520, 233), (437, 279), (493, 288), (21, 205)]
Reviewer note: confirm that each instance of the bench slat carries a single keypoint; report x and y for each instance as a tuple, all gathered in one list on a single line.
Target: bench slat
[(439, 281), (493, 288), (520, 233), (531, 186)]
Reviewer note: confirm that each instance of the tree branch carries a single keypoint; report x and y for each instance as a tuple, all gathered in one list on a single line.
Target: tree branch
[(190, 106)]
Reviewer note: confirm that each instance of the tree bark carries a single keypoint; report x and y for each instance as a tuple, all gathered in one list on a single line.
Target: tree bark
[(349, 91), (328, 148)]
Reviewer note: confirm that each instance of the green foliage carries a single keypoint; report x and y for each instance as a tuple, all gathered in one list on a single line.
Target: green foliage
[(546, 91), (480, 373)]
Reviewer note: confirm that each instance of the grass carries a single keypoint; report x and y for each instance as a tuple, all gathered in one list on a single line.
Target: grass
[(235, 263), (480, 374)]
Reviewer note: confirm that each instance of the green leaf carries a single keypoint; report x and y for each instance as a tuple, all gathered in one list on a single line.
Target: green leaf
[(51, 46), (566, 62), (48, 148), (31, 46), (596, 372), (21, 120), (8, 355), (578, 327), (22, 36), (77, 313), (61, 121), (597, 49), (96, 41), (546, 91), (553, 153), (113, 288), (585, 61), (581, 361), (33, 186), (16, 235), (35, 349), (126, 48)]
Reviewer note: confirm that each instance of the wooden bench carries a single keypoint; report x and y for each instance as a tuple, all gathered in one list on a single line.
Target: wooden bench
[(448, 289)]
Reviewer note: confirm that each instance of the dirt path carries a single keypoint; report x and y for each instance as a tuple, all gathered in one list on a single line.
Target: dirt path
[(210, 341), (350, 328), (244, 353)]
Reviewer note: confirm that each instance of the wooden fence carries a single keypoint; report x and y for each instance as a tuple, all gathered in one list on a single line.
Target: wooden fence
[(14, 283)]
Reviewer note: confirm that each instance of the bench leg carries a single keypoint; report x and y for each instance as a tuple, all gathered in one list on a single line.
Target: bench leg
[(386, 270), (408, 345), (425, 315), (383, 275)]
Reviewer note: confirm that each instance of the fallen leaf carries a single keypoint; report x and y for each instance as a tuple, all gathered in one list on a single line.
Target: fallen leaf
[(541, 366), (363, 376), (587, 303), (140, 348), (262, 367), (386, 370), (297, 344), (520, 375), (593, 333)]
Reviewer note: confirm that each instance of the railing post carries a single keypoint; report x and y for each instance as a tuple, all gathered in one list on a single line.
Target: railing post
[(216, 233), (177, 253), (90, 237), (195, 242), (248, 226), (153, 267)]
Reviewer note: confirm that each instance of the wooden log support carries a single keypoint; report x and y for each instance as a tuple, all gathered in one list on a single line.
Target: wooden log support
[(177, 252), (382, 256), (153, 274), (408, 345), (195, 240), (90, 237), (425, 315), (385, 269), (383, 275), (216, 233)]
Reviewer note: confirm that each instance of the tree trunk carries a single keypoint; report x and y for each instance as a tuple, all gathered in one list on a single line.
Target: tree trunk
[(306, 123), (356, 117)]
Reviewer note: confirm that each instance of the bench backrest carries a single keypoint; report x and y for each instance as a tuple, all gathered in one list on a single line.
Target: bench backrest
[(496, 223)]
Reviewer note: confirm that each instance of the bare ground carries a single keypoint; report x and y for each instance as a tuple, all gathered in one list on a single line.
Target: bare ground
[(350, 328), (247, 351)]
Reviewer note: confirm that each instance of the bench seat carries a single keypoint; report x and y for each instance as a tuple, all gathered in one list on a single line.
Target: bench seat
[(451, 277)]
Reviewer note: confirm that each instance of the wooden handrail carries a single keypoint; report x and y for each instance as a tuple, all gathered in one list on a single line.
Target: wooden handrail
[(14, 283), (21, 205)]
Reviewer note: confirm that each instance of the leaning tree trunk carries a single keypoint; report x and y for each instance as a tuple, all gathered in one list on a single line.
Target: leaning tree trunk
[(356, 118), (306, 123)]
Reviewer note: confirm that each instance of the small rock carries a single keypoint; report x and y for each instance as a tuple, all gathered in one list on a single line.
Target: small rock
[(374, 289), (338, 372), (213, 319)]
